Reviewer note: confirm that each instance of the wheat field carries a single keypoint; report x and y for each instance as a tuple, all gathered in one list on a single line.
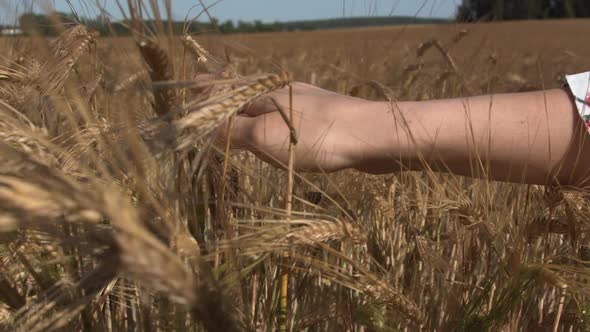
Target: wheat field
[(117, 213)]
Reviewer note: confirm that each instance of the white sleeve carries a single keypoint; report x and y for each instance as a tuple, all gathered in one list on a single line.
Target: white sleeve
[(579, 85)]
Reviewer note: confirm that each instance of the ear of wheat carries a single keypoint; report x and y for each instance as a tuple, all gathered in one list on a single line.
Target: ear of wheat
[(204, 116), (67, 49), (160, 70)]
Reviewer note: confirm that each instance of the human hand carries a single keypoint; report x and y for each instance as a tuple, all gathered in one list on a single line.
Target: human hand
[(331, 129)]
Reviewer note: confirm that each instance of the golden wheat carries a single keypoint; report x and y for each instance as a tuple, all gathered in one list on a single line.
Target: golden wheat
[(103, 225)]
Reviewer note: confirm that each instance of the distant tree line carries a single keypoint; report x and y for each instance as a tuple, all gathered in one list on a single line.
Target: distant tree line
[(469, 10), (497, 10), (46, 25), (33, 23), (345, 22)]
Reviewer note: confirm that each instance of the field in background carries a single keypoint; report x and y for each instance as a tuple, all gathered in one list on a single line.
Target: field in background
[(495, 57), (409, 251)]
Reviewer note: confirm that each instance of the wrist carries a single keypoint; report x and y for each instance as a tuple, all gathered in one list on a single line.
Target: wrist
[(373, 143), (388, 141)]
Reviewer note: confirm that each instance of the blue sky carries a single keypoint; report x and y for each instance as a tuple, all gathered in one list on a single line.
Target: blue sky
[(265, 10)]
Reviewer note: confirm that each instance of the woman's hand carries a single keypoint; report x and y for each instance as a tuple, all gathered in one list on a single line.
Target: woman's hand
[(332, 129)]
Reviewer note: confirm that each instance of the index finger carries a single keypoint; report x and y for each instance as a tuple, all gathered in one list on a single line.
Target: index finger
[(265, 104)]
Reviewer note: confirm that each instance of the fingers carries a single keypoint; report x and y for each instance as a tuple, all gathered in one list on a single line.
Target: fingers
[(265, 103), (241, 132), (268, 103), (262, 135)]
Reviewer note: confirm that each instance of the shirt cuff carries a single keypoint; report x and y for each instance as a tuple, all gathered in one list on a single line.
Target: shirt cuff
[(579, 85)]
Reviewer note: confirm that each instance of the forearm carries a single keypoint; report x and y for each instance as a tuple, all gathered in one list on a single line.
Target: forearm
[(530, 137)]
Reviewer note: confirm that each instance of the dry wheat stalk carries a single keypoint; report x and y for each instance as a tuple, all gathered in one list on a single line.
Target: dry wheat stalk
[(203, 56), (35, 196), (29, 65), (56, 308), (295, 233), (284, 293), (160, 69), (67, 49), (12, 75), (132, 81), (17, 131), (391, 296), (459, 36), (33, 191), (359, 279), (317, 317), (91, 88), (147, 261), (205, 116), (44, 195), (429, 256), (321, 231), (29, 144)]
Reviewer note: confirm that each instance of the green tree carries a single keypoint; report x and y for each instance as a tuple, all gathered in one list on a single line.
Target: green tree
[(245, 26), (32, 23), (472, 10), (227, 27)]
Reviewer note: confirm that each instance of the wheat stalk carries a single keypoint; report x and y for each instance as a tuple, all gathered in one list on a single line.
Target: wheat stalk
[(67, 49), (292, 234), (205, 116), (284, 300), (202, 55), (160, 69)]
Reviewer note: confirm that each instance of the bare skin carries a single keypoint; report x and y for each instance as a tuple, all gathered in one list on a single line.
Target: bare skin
[(534, 137)]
